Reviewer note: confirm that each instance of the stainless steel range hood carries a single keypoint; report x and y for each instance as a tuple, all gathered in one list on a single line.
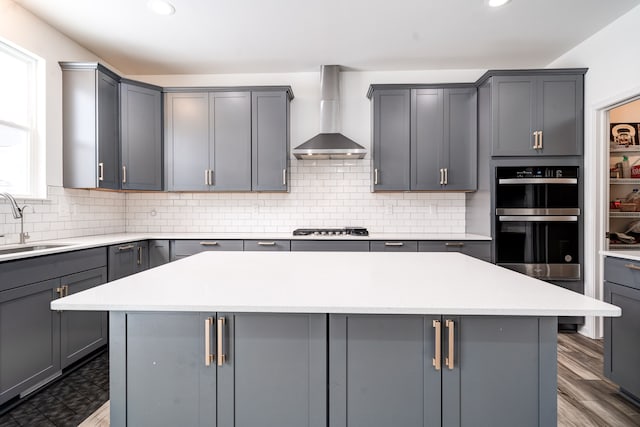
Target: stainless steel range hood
[(329, 143)]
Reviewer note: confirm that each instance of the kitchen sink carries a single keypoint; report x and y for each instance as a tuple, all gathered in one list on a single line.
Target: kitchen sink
[(27, 248)]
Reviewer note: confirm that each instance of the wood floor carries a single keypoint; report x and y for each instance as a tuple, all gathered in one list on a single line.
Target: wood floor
[(585, 397)]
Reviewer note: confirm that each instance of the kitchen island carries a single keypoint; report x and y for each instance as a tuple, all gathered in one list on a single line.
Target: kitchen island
[(358, 339)]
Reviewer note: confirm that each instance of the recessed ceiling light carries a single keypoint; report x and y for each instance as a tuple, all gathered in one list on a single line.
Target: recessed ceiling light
[(497, 3), (161, 7)]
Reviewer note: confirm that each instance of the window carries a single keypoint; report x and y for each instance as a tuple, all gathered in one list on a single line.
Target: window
[(21, 144)]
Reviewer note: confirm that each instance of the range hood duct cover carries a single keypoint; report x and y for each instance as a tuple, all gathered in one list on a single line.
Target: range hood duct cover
[(329, 143)]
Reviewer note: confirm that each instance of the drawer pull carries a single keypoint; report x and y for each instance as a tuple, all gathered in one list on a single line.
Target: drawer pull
[(393, 244), (209, 243), (454, 244), (632, 267), (266, 243), (125, 248)]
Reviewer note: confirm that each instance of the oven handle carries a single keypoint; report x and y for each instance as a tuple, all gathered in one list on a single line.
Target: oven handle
[(538, 211), (538, 181), (538, 218)]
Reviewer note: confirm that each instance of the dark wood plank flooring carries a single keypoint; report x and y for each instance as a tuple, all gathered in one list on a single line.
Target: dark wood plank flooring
[(585, 397)]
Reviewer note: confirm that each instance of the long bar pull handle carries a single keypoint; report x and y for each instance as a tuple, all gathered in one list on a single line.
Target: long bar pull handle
[(266, 243), (221, 356), (446, 176), (60, 291), (535, 140), (284, 177), (393, 243), (437, 354), (375, 176), (454, 244), (100, 171), (211, 177), (206, 177), (208, 356), (124, 174), (125, 248), (139, 255), (540, 139), (66, 290), (209, 243), (632, 266), (450, 355)]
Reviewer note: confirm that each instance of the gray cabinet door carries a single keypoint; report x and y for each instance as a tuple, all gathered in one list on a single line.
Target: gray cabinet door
[(108, 132), (513, 108), (520, 352), (476, 249), (330, 245), (427, 139), (269, 141), (460, 145), (622, 337), (185, 248), (82, 332), (267, 245), (166, 380), (29, 337), (141, 137), (381, 371), (394, 246), (560, 115), (391, 140), (159, 252), (275, 370), (230, 141), (187, 141), (127, 259)]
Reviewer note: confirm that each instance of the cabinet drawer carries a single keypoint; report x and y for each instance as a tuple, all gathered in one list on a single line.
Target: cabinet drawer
[(622, 271), (184, 248), (267, 245), (476, 249), (330, 245), (394, 246)]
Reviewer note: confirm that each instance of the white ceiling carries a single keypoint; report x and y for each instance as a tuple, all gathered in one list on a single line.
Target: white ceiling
[(254, 36)]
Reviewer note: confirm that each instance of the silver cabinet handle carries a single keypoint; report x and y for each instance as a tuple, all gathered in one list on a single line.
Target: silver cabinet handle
[(437, 357), (632, 267), (125, 248), (450, 355), (208, 356), (266, 243), (284, 177), (375, 176), (100, 171), (209, 243), (540, 139), (206, 177), (63, 291), (441, 176), (221, 355), (211, 177), (446, 176), (393, 244), (139, 255), (535, 140), (454, 244), (124, 174)]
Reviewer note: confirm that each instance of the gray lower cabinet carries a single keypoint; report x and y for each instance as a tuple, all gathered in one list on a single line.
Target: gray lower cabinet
[(393, 246), (185, 248), (477, 371), (208, 141), (36, 342), (622, 334), (141, 136), (218, 369), (82, 332), (91, 126), (159, 252), (535, 115), (476, 249), (267, 245), (444, 139), (330, 245), (127, 259), (269, 140)]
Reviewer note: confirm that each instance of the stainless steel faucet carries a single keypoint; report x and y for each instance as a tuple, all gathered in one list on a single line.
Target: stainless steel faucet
[(18, 213)]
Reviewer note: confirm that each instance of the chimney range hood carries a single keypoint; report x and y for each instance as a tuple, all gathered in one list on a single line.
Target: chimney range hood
[(329, 143)]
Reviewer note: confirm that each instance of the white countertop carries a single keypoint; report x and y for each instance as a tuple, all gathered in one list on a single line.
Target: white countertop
[(626, 254), (336, 282), (76, 243)]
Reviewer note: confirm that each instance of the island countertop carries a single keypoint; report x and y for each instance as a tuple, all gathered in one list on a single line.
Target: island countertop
[(336, 282)]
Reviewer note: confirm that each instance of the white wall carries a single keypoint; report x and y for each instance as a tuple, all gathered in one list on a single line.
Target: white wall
[(613, 77)]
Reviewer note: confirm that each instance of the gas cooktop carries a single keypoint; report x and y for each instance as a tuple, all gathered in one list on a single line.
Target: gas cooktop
[(346, 231)]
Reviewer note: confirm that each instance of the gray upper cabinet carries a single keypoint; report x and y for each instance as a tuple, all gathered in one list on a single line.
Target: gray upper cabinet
[(536, 115), (208, 141), (391, 140), (141, 136), (444, 139), (269, 140), (91, 126)]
